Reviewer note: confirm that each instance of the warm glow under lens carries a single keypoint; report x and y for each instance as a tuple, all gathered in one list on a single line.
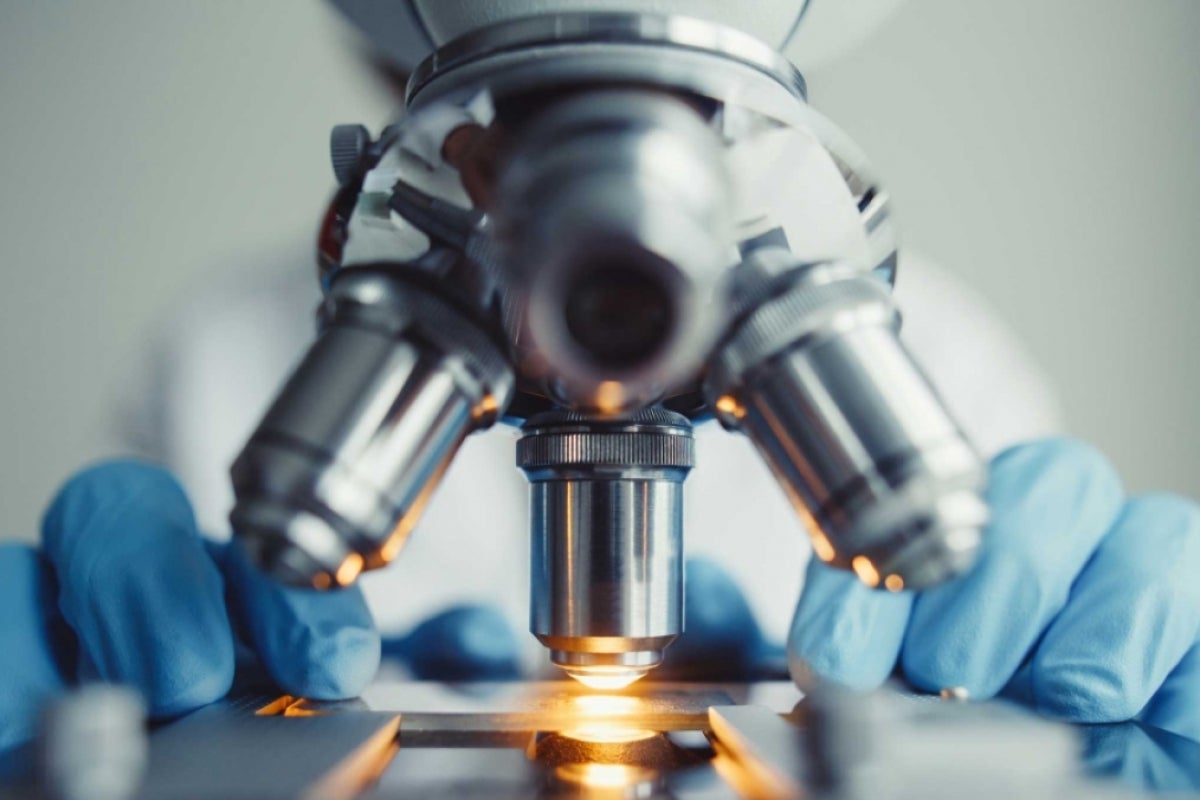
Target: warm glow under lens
[(606, 678), (601, 776), (607, 734)]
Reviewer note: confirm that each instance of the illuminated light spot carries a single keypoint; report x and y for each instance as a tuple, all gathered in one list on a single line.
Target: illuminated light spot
[(322, 580), (602, 776), (606, 705), (607, 734), (606, 678), (893, 583), (610, 396), (349, 569), (865, 570), (822, 547), (727, 404)]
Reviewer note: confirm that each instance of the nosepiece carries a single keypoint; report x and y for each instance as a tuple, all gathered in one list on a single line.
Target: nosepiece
[(607, 539)]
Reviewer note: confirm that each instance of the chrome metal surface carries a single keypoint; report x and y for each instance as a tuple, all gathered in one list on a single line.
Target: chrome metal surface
[(536, 34), (599, 209), (339, 470), (607, 528), (882, 476), (92, 744), (870, 196), (764, 749), (613, 215), (234, 750)]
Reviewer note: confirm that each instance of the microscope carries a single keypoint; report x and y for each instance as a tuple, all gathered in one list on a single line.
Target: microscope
[(585, 224)]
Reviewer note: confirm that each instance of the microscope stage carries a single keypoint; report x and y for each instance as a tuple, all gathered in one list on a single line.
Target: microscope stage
[(556, 739)]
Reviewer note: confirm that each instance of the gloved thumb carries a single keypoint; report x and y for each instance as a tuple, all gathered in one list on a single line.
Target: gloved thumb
[(844, 631)]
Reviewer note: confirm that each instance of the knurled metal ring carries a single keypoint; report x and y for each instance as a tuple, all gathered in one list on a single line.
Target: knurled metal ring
[(653, 437), (805, 309)]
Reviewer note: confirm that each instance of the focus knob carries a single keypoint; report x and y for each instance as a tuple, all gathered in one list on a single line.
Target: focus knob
[(348, 150)]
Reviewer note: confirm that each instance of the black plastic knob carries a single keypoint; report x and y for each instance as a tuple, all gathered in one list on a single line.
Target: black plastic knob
[(349, 150)]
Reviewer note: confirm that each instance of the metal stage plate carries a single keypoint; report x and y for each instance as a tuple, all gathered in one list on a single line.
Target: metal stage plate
[(557, 739)]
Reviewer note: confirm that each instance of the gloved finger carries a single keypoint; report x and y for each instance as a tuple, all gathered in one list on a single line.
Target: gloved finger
[(1134, 614), (463, 643), (1052, 502), (34, 646), (721, 639), (317, 644), (137, 586), (1173, 707), (844, 631)]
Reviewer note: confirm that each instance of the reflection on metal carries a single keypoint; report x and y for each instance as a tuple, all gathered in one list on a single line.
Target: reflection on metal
[(865, 570), (278, 706), (360, 768), (349, 569), (760, 753)]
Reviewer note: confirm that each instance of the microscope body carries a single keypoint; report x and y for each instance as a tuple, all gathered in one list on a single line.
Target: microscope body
[(607, 226)]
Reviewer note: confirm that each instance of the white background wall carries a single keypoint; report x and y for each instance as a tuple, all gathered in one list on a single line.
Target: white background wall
[(1048, 150)]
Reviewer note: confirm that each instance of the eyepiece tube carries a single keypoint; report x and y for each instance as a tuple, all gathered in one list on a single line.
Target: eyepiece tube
[(613, 214), (607, 539), (882, 476), (341, 466)]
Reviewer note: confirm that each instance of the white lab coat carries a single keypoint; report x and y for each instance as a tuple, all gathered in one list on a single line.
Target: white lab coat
[(224, 353)]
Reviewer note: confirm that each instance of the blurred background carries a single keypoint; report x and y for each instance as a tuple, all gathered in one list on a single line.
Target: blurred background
[(1047, 152)]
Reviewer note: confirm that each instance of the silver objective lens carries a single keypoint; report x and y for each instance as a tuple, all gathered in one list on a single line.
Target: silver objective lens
[(884, 479), (339, 470), (607, 539), (614, 215)]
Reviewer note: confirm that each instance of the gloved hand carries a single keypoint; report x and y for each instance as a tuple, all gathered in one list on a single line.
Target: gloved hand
[(1084, 604), (125, 590)]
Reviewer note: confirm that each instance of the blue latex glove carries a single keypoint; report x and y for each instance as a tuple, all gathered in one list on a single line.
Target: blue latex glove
[(125, 590), (1084, 604)]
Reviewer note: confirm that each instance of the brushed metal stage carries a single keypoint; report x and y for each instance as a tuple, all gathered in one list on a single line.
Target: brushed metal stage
[(556, 739)]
